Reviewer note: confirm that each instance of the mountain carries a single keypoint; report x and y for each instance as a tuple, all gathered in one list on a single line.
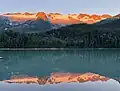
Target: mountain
[(113, 24), (33, 26), (4, 23), (25, 26), (109, 23), (41, 21), (20, 17), (117, 16), (42, 15), (57, 18), (110, 20), (104, 35)]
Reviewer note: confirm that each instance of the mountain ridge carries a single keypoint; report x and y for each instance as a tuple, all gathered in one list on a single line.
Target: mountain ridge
[(58, 18)]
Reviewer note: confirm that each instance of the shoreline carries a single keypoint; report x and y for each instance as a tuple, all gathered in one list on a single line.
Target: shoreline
[(53, 49)]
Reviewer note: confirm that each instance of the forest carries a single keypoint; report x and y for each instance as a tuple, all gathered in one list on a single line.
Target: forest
[(71, 36)]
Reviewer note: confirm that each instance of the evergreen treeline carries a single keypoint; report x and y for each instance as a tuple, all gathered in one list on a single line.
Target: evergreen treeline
[(73, 36)]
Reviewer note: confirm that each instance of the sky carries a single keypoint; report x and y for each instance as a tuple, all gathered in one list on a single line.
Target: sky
[(61, 6)]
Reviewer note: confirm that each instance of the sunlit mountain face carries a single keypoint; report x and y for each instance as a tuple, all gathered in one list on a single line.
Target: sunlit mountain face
[(57, 18)]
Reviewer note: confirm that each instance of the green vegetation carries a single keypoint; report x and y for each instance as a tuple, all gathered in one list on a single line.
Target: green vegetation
[(73, 36)]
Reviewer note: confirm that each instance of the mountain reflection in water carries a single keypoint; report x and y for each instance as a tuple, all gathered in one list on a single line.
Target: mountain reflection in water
[(61, 82), (56, 78), (110, 85), (33, 63)]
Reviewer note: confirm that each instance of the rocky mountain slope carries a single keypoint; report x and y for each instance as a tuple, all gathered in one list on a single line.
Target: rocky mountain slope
[(103, 35), (35, 22), (25, 26), (57, 18)]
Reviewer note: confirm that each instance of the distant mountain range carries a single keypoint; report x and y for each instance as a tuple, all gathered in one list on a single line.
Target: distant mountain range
[(42, 33), (57, 18), (36, 22), (37, 25)]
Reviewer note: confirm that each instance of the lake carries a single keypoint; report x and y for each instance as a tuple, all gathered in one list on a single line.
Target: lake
[(110, 85), (41, 63), (105, 62)]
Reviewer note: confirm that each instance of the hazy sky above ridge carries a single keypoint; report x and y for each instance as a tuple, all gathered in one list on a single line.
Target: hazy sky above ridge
[(61, 6)]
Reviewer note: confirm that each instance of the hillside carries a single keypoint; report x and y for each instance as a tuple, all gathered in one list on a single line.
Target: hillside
[(32, 26), (106, 35), (26, 26)]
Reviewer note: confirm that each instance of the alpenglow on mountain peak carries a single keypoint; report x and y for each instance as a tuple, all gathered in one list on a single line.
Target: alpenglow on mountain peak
[(57, 18)]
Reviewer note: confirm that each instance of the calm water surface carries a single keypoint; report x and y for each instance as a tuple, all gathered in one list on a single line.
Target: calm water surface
[(110, 85), (41, 63)]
